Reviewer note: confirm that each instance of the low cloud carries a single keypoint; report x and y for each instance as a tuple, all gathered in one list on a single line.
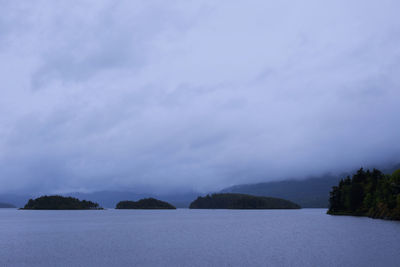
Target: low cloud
[(100, 95)]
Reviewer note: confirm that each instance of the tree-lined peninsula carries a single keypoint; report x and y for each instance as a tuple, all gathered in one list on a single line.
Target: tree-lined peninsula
[(241, 201), (60, 203), (146, 203), (367, 193)]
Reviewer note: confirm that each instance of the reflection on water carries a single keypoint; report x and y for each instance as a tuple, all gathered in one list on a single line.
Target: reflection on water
[(184, 237)]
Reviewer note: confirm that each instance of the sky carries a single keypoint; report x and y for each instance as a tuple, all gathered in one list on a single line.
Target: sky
[(194, 95)]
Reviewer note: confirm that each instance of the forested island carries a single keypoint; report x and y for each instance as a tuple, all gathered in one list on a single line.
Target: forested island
[(367, 193), (146, 203), (241, 201), (60, 203), (6, 205)]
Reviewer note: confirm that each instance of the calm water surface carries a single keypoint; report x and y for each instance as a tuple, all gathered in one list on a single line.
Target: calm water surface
[(184, 237)]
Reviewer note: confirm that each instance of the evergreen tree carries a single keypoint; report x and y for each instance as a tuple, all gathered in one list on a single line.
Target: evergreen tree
[(367, 193)]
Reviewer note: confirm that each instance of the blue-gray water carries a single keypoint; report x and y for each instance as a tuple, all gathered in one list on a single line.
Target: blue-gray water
[(184, 237)]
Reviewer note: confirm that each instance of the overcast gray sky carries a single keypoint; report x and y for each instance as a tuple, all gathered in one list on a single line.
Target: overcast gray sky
[(197, 95)]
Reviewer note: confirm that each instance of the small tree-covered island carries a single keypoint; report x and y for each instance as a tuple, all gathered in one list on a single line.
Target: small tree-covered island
[(241, 201), (367, 193), (60, 203), (146, 203)]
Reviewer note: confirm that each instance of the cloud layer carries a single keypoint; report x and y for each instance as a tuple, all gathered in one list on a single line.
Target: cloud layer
[(194, 94)]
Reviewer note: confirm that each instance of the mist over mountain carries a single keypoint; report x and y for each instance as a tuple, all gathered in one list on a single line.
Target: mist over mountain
[(308, 193), (312, 192), (6, 205), (194, 95)]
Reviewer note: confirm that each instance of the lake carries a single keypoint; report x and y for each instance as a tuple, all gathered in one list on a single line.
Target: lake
[(184, 237)]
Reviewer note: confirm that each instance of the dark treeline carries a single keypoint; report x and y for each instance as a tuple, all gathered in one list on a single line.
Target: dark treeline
[(367, 193), (60, 203), (146, 203), (241, 201)]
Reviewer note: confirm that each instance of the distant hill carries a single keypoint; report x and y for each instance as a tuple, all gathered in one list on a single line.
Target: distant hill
[(309, 193), (146, 203), (6, 205), (18, 200), (241, 201)]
